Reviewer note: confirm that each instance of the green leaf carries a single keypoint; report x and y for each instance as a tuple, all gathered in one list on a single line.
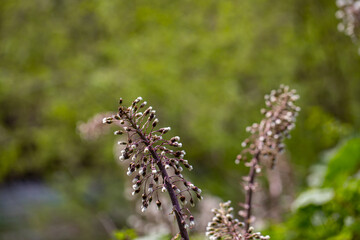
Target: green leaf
[(313, 196), (345, 163)]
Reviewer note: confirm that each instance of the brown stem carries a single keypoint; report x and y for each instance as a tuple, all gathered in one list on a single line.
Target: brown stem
[(250, 190), (165, 176)]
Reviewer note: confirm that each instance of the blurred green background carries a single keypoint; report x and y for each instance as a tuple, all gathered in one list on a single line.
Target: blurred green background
[(205, 66)]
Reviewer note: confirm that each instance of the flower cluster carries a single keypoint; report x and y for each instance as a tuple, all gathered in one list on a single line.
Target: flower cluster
[(155, 162), (266, 138), (225, 226), (349, 14), (265, 142)]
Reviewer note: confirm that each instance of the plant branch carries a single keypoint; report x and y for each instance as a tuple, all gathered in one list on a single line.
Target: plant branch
[(250, 190), (165, 176)]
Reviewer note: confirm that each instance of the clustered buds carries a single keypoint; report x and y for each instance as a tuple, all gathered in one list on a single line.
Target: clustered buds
[(156, 162), (225, 226), (349, 14), (266, 141), (266, 138)]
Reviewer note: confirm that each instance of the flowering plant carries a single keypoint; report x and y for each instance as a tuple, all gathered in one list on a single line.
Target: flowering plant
[(156, 162), (264, 143)]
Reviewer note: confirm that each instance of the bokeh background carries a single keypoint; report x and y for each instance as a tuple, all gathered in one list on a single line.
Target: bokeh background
[(205, 66)]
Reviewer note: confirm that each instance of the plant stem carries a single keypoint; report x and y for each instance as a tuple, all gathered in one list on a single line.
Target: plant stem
[(250, 190), (173, 198), (165, 176)]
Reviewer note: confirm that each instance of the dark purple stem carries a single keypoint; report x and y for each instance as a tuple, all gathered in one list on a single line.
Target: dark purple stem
[(165, 176), (250, 190)]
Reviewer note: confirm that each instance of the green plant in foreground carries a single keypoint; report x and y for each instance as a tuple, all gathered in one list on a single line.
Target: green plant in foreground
[(330, 207)]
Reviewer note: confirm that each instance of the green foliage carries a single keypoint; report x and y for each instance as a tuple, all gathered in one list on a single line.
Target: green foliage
[(127, 234), (204, 65), (345, 163), (331, 211)]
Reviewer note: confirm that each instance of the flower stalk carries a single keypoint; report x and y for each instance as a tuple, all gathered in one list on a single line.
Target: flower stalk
[(266, 140), (156, 162), (264, 144), (249, 191)]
